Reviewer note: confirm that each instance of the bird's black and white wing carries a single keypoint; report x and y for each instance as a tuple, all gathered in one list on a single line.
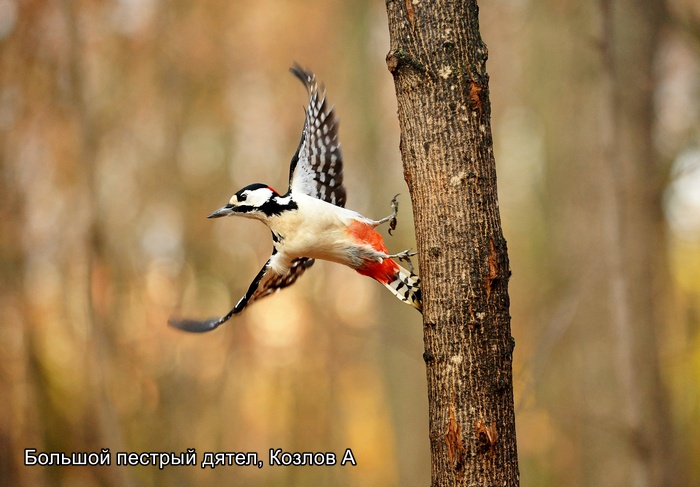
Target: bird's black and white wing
[(268, 281), (265, 283), (317, 165)]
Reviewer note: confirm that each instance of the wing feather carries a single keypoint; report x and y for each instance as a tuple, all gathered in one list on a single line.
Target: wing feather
[(317, 165), (266, 282)]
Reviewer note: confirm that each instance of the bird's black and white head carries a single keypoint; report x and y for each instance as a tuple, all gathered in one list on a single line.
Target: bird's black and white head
[(257, 201)]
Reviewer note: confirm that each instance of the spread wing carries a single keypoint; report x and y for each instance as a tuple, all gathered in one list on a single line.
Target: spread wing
[(317, 165), (264, 284)]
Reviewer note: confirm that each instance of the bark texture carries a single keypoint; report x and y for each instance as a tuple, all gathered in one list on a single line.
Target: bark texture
[(438, 60)]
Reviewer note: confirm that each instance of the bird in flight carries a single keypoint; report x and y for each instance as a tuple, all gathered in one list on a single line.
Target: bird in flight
[(310, 220)]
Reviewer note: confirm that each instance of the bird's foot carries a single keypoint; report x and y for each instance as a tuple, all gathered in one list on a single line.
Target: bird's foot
[(391, 218)]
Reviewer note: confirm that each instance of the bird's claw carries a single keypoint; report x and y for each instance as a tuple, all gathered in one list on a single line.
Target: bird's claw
[(395, 209)]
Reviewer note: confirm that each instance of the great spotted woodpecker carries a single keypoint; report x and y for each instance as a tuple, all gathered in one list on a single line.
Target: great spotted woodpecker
[(310, 222)]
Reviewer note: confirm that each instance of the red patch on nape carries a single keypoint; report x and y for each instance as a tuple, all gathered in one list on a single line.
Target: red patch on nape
[(384, 272), (272, 189)]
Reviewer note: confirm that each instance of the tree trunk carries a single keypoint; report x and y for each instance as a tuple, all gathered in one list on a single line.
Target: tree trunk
[(438, 60)]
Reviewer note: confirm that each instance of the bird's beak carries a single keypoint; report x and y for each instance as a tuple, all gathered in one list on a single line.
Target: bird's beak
[(223, 211)]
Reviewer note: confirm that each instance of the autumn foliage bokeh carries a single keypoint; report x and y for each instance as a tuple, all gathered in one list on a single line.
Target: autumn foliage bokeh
[(124, 123)]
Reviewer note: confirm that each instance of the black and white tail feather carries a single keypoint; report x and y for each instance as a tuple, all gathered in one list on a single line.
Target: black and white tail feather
[(406, 287)]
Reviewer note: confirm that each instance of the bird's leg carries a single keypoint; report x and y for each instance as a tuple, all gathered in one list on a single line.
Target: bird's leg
[(409, 262), (404, 255), (391, 218)]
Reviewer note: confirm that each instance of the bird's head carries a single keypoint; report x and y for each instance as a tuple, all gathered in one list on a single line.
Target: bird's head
[(257, 201)]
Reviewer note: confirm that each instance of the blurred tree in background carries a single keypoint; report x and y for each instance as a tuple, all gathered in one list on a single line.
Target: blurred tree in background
[(123, 123)]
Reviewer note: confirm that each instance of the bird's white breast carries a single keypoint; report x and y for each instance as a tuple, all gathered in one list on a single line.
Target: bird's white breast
[(316, 229)]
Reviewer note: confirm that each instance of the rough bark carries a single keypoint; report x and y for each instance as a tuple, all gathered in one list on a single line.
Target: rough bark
[(438, 60)]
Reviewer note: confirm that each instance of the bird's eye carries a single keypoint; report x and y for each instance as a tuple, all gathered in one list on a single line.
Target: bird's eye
[(242, 196)]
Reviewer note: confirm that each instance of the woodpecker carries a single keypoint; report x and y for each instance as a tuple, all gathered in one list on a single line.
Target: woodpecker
[(310, 220)]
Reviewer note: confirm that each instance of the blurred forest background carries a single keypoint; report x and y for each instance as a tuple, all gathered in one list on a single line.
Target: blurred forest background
[(123, 123)]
